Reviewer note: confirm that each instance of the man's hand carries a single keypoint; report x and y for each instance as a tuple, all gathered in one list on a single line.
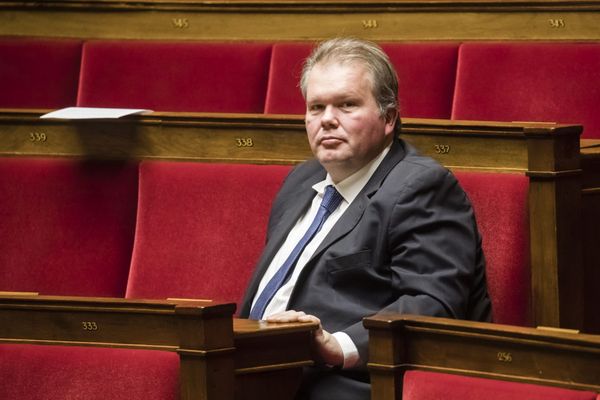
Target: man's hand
[(327, 347)]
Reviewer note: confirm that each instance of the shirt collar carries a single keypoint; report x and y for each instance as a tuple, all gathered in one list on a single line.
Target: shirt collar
[(350, 187)]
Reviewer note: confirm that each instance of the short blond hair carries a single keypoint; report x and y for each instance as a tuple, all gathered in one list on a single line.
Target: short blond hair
[(384, 80)]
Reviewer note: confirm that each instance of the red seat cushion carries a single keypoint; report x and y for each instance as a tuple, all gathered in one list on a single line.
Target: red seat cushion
[(557, 82), (422, 385), (67, 226), (58, 372), (426, 77), (175, 76), (201, 228), (39, 73), (500, 205)]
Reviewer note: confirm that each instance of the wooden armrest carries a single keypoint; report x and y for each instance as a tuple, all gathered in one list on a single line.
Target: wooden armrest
[(549, 357)]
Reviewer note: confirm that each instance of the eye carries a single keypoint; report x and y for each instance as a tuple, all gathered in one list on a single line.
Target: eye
[(347, 105), (315, 108)]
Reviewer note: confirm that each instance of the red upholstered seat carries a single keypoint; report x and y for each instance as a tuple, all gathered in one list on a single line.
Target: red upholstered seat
[(175, 76), (201, 228), (39, 73), (283, 91), (58, 372), (423, 385), (67, 226), (500, 204), (558, 82), (426, 74)]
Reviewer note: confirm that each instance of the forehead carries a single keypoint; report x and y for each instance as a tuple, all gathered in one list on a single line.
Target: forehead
[(335, 78)]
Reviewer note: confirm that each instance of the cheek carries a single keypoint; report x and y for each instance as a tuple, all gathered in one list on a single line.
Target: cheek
[(311, 131), (311, 127)]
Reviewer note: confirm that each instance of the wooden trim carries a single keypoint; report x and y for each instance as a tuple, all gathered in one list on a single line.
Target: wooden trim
[(391, 20), (401, 342), (213, 348)]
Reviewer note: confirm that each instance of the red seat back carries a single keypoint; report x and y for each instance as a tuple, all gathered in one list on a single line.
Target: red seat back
[(426, 77), (283, 92), (500, 205), (424, 385), (557, 82), (175, 76), (67, 226), (39, 73), (59, 372), (201, 228)]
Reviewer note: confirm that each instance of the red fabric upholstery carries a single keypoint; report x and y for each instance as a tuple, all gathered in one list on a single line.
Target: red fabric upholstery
[(283, 91), (426, 77), (201, 228), (558, 82), (500, 204), (56, 373), (175, 76), (39, 73), (422, 385), (67, 226)]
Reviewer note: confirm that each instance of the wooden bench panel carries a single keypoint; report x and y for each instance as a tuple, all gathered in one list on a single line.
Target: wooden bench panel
[(285, 20), (216, 352), (398, 343)]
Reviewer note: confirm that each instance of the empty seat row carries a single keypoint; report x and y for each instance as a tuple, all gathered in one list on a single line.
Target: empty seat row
[(123, 229), (502, 81), (160, 229)]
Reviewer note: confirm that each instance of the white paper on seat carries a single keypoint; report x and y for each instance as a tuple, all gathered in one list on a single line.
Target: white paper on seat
[(93, 113)]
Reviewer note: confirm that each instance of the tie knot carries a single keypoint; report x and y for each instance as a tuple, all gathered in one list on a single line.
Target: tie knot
[(331, 199)]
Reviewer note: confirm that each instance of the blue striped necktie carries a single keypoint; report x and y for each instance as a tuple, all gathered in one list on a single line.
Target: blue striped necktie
[(331, 200)]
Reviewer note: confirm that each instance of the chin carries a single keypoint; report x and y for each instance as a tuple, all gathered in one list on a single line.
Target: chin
[(327, 158)]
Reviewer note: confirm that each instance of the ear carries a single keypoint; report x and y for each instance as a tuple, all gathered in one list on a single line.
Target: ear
[(391, 116)]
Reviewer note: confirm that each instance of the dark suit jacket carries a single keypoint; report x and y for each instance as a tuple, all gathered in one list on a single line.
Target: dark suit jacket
[(408, 243)]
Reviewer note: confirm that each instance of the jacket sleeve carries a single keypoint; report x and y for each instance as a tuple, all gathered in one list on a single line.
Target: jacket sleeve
[(433, 250)]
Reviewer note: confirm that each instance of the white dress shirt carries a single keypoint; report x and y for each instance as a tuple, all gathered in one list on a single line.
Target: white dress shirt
[(349, 188)]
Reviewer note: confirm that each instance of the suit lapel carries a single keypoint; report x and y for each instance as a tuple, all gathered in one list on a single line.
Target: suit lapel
[(299, 200), (355, 211), (296, 202)]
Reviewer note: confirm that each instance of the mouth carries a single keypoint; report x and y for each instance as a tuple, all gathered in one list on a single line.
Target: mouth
[(330, 141)]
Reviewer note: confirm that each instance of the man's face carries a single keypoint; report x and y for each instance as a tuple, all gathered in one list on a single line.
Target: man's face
[(343, 122)]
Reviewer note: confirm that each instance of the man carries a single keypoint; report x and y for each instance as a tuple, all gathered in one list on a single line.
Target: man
[(397, 234)]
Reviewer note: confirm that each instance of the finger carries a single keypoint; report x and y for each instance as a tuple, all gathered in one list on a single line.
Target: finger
[(286, 316), (309, 318)]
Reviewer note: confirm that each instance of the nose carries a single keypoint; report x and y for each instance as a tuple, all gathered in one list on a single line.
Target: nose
[(329, 119)]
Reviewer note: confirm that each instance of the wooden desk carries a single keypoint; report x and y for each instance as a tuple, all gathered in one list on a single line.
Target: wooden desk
[(240, 359), (547, 357)]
